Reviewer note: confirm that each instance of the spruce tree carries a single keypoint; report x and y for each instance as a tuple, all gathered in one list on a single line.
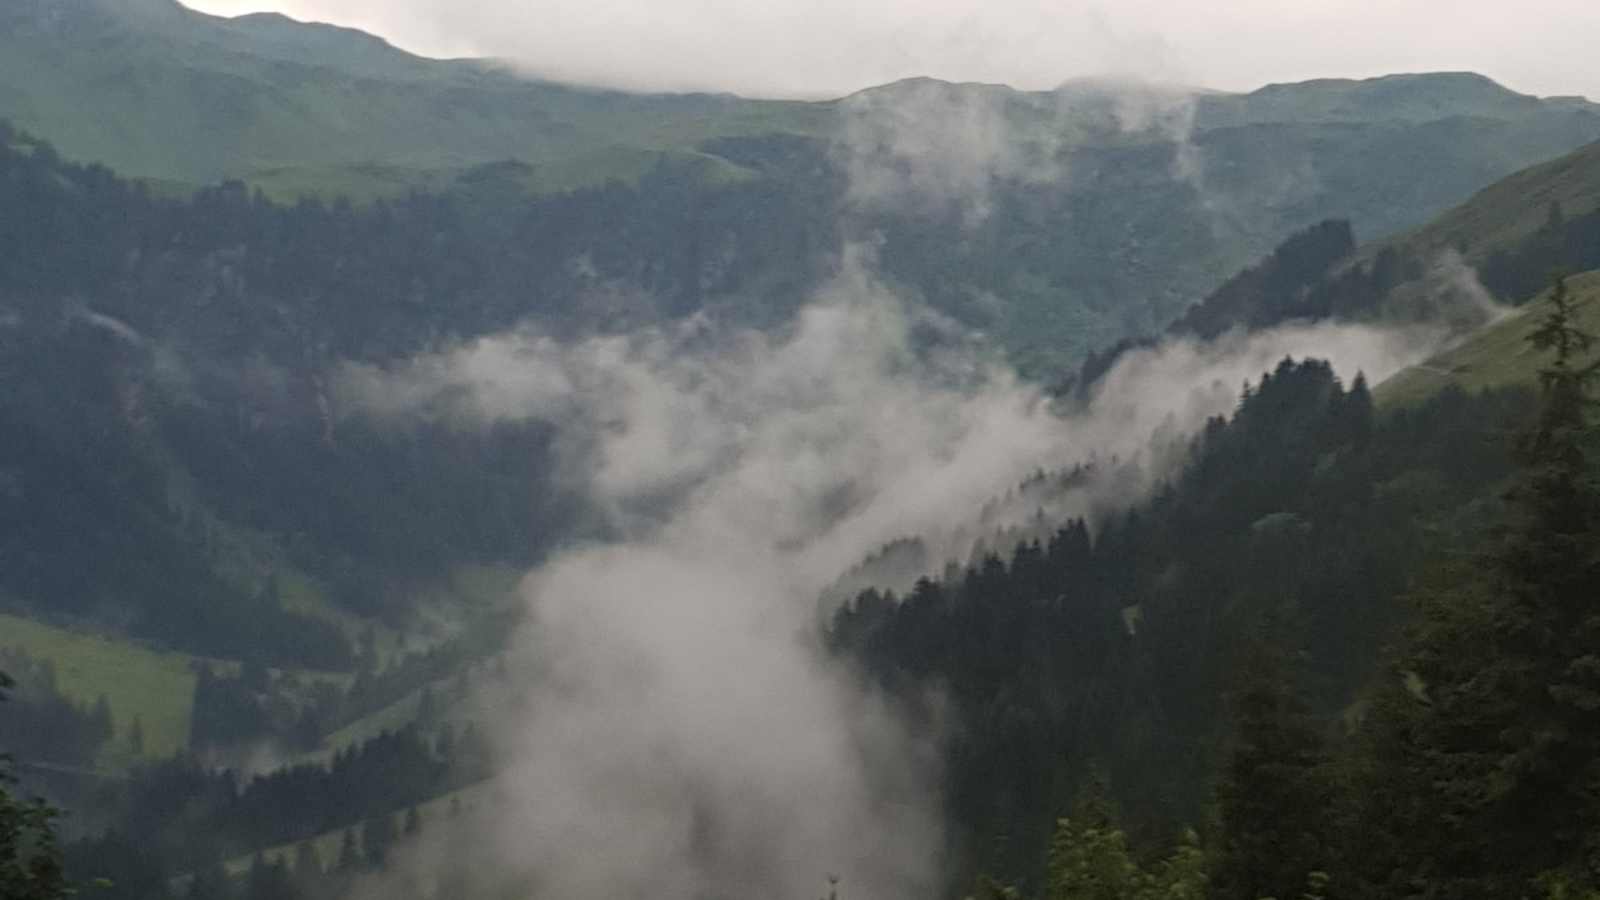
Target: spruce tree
[(349, 852), (136, 736), (413, 823), (1548, 573), (308, 872), (1275, 794), (1484, 765), (377, 836), (30, 860)]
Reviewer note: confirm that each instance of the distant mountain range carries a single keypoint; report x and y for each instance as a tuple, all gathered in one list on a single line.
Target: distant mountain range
[(156, 90), (1058, 221), (169, 347)]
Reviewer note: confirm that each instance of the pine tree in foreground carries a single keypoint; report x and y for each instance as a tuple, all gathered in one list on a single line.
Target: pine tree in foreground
[(1482, 777), (1275, 791)]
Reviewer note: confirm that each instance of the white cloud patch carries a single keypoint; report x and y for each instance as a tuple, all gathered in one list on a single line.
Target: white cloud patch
[(684, 735)]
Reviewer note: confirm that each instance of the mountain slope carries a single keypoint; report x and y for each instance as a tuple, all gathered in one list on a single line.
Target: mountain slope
[(170, 361), (157, 90), (1057, 221), (1513, 209), (1497, 356), (1503, 244)]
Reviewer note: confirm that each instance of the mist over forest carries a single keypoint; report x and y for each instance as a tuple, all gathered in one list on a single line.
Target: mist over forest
[(423, 479)]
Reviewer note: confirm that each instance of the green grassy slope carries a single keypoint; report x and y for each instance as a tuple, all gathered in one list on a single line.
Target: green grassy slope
[(1511, 209), (156, 90), (1497, 356), (155, 685), (159, 91), (137, 679)]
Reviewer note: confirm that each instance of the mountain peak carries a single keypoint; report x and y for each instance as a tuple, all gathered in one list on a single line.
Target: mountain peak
[(1407, 97)]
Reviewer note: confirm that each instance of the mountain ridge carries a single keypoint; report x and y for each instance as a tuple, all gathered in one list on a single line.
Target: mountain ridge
[(115, 82)]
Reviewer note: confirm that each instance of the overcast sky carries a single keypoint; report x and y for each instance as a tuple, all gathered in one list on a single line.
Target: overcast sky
[(829, 47)]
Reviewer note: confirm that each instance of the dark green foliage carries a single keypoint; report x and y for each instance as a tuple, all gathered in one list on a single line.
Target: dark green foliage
[(1276, 797), (1091, 861), (307, 866), (349, 851), (1562, 244), (156, 345), (30, 861), (157, 342), (268, 880), (229, 711), (1309, 277), (43, 726), (378, 835), (1276, 289), (183, 816), (136, 736), (1117, 648), (121, 861), (210, 883), (1485, 748)]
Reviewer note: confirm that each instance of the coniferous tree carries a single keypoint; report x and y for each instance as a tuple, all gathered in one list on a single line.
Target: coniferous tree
[(1090, 861), (413, 825), (1484, 764), (256, 883), (30, 860), (101, 719), (308, 873), (377, 836), (1275, 793), (210, 883), (136, 736), (349, 852)]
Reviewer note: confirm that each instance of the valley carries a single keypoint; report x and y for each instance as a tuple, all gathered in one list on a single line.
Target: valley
[(422, 480)]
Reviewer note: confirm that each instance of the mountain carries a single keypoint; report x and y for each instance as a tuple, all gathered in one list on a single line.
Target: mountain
[(157, 90), (1113, 653), (1058, 221), (1499, 247), (1508, 212), (1406, 97), (197, 336), (185, 473)]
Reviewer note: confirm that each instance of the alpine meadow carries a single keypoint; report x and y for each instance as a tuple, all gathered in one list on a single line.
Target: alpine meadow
[(772, 451)]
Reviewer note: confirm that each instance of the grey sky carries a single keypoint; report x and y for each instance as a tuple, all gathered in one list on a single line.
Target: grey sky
[(830, 47)]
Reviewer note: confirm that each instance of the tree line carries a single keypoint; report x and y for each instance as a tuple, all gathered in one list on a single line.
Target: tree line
[(1382, 687)]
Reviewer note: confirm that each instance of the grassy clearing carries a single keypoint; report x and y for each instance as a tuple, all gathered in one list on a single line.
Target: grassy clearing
[(1497, 356), (369, 182), (155, 685)]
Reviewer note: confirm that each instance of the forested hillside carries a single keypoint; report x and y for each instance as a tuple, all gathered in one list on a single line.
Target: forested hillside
[(198, 339), (1298, 522), (1461, 271), (1058, 221), (326, 368)]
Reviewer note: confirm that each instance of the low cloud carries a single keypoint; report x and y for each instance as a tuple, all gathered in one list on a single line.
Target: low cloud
[(683, 733), (930, 146)]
